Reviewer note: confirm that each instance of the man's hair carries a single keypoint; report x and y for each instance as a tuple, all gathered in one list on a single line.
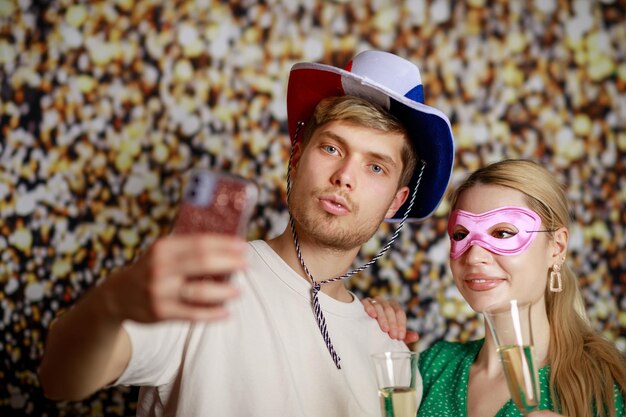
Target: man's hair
[(363, 113)]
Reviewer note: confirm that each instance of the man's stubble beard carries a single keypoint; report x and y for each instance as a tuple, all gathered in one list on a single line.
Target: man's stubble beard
[(325, 229)]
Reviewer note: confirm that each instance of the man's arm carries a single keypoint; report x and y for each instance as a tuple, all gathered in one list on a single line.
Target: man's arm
[(87, 347)]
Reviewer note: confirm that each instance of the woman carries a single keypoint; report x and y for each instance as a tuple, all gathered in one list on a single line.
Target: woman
[(509, 235)]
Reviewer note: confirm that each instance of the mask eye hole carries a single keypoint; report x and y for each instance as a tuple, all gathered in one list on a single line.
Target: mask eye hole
[(459, 234), (503, 231)]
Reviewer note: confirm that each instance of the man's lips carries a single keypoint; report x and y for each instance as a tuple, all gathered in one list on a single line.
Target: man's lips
[(334, 204)]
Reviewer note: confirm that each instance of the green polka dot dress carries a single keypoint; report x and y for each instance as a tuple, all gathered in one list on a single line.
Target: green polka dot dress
[(445, 369)]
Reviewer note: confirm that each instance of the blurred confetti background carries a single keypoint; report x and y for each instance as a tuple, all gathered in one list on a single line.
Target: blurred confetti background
[(106, 105)]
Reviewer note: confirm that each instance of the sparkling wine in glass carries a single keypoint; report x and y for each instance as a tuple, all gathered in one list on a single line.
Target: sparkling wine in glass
[(511, 329), (519, 369), (398, 380)]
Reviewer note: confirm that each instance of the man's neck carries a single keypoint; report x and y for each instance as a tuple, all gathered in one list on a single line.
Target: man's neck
[(323, 263)]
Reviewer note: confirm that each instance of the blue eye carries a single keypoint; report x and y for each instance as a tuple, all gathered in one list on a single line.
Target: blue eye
[(330, 149), (377, 169)]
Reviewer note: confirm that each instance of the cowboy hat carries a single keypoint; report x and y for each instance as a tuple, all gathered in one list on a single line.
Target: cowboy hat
[(395, 84)]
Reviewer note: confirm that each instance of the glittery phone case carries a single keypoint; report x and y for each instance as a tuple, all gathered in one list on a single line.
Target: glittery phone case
[(216, 202)]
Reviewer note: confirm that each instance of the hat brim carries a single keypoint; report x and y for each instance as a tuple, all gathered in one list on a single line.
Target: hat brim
[(429, 129)]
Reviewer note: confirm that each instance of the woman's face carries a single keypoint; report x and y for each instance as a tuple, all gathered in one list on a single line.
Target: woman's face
[(485, 277)]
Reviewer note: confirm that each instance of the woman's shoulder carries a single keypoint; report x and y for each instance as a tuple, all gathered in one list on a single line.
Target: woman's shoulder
[(445, 347), (449, 352)]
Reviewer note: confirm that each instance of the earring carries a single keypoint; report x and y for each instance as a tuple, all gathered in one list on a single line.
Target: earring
[(555, 275)]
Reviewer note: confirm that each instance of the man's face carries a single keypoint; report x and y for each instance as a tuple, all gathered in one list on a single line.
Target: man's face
[(345, 183)]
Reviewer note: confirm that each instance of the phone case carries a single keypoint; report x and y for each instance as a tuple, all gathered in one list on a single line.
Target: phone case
[(216, 202)]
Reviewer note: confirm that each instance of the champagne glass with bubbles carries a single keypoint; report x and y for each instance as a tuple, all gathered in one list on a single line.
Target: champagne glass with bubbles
[(510, 326)]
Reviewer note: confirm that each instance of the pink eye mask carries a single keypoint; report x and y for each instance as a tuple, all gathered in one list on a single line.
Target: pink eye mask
[(479, 226)]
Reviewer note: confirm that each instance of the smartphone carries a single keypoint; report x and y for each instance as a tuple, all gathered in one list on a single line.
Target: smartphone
[(216, 202)]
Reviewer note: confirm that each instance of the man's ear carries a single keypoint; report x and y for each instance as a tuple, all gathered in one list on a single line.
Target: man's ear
[(559, 245), (401, 195)]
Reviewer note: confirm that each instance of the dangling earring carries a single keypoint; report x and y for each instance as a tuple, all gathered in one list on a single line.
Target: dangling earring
[(555, 275)]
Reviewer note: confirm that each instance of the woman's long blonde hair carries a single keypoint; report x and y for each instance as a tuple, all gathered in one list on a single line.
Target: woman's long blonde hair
[(585, 368)]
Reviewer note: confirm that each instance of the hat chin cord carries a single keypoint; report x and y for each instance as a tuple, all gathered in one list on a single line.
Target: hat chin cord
[(315, 285)]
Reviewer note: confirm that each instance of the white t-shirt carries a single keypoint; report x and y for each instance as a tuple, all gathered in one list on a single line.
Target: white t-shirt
[(267, 359)]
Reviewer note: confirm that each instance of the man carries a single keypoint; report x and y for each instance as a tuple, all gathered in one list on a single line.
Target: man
[(264, 352)]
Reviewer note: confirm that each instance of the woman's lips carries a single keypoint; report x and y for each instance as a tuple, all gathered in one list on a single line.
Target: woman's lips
[(483, 284)]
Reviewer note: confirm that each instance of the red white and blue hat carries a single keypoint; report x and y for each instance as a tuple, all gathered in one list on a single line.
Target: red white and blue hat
[(396, 85)]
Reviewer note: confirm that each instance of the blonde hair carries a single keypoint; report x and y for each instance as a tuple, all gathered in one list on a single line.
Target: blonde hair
[(364, 113), (584, 366)]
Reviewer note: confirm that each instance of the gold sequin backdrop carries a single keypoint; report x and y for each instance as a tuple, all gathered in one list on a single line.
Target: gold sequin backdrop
[(105, 105)]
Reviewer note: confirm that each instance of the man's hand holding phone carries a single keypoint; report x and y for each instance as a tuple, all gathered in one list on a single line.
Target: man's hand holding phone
[(157, 287), (184, 276)]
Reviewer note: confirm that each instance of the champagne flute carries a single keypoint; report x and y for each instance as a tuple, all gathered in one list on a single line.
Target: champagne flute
[(511, 329), (398, 379)]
